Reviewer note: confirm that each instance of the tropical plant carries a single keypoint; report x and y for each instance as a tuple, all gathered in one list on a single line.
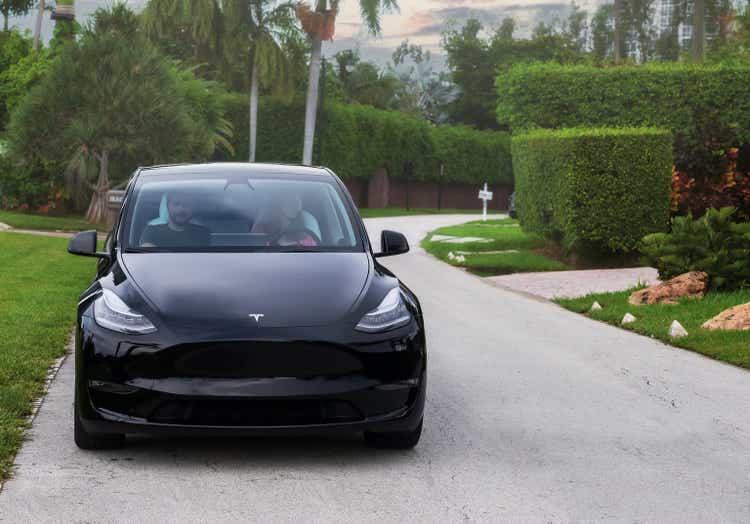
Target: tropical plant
[(713, 243), (189, 30), (108, 97), (260, 28), (319, 23)]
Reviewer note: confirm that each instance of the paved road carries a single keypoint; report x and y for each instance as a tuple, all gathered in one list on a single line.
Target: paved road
[(534, 414)]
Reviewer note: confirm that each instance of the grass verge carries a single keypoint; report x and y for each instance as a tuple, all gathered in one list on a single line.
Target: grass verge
[(46, 222), (39, 285), (654, 320), (400, 211), (504, 248)]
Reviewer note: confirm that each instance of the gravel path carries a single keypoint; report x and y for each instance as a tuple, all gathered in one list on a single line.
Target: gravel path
[(572, 284), (534, 414)]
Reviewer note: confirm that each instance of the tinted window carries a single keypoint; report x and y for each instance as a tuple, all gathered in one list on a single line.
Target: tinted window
[(227, 213)]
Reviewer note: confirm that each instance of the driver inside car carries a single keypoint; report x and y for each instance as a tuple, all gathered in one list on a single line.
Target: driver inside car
[(179, 231), (286, 224)]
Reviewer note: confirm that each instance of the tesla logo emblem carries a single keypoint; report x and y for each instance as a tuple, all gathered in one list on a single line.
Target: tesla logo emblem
[(256, 316)]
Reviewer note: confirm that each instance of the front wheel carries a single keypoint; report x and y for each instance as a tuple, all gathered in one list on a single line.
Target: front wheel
[(394, 440), (86, 440)]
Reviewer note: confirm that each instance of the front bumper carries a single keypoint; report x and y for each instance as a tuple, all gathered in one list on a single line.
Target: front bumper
[(261, 386)]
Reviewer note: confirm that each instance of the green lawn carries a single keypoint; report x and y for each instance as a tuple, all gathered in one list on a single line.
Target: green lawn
[(45, 222), (730, 346), (400, 211), (504, 235), (39, 286)]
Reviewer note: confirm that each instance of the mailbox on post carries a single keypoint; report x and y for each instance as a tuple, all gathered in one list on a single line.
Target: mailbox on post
[(115, 198)]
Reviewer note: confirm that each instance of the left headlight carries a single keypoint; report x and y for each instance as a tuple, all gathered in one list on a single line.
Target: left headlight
[(390, 314), (112, 313)]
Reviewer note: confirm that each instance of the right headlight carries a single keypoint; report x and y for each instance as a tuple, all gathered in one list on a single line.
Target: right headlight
[(112, 313), (390, 314)]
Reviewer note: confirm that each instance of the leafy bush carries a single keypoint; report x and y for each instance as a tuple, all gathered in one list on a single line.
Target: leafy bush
[(662, 95), (712, 243), (469, 155), (355, 140), (593, 190)]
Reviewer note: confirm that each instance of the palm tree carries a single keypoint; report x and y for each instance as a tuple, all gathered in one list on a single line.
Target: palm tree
[(319, 23), (262, 25)]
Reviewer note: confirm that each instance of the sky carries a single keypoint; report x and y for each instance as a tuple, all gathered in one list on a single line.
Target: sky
[(420, 21)]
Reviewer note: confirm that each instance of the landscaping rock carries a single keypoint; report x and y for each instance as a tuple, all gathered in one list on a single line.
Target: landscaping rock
[(676, 330), (628, 319), (693, 284), (736, 318), (596, 306)]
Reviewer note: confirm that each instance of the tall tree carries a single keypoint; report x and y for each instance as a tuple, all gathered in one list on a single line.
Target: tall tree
[(137, 105), (319, 23), (262, 24), (15, 8), (601, 32)]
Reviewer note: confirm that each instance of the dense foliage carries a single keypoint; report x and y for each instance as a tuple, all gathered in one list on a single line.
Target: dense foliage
[(593, 190), (355, 140), (713, 243), (662, 95), (111, 95)]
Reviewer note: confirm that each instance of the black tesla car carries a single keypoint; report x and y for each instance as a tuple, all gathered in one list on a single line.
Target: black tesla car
[(243, 299)]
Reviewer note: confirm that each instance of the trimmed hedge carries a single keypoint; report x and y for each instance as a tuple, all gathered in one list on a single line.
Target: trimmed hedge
[(594, 189), (662, 95), (355, 140)]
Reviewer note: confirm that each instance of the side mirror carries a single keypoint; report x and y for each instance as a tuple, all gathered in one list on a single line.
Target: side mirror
[(392, 243), (84, 244)]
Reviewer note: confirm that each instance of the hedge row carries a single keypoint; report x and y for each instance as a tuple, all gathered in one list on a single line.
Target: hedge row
[(355, 140), (594, 189), (659, 95)]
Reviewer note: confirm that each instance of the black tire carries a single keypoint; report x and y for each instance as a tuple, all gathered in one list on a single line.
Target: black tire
[(86, 440), (395, 440)]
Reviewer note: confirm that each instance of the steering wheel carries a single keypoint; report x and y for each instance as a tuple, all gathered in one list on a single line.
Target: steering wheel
[(296, 235)]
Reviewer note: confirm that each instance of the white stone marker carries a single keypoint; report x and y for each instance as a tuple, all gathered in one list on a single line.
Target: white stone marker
[(676, 330), (628, 319), (484, 196), (596, 306)]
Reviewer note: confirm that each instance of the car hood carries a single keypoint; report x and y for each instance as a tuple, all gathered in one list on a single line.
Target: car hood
[(216, 291)]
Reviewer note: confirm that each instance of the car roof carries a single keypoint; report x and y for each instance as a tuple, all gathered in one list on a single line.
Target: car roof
[(237, 168)]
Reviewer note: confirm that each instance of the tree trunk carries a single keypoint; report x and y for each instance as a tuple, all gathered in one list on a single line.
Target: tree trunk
[(699, 30), (5, 21), (97, 211), (617, 43), (38, 25), (254, 109), (311, 109)]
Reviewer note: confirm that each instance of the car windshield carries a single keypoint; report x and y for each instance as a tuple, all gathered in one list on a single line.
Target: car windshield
[(274, 213)]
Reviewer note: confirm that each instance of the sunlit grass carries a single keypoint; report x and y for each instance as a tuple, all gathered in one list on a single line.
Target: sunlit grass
[(39, 286), (523, 250), (654, 320)]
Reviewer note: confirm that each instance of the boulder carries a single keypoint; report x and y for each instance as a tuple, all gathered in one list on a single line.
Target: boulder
[(628, 319), (596, 306), (693, 285), (735, 318)]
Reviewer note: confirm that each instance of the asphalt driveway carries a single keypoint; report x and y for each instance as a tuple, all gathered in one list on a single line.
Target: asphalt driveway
[(533, 414)]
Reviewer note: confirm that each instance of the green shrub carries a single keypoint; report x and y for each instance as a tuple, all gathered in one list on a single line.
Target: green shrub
[(660, 95), (355, 140), (712, 243), (469, 155), (593, 190)]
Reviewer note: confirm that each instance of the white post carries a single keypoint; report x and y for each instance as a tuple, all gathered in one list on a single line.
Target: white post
[(484, 196), (484, 205)]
